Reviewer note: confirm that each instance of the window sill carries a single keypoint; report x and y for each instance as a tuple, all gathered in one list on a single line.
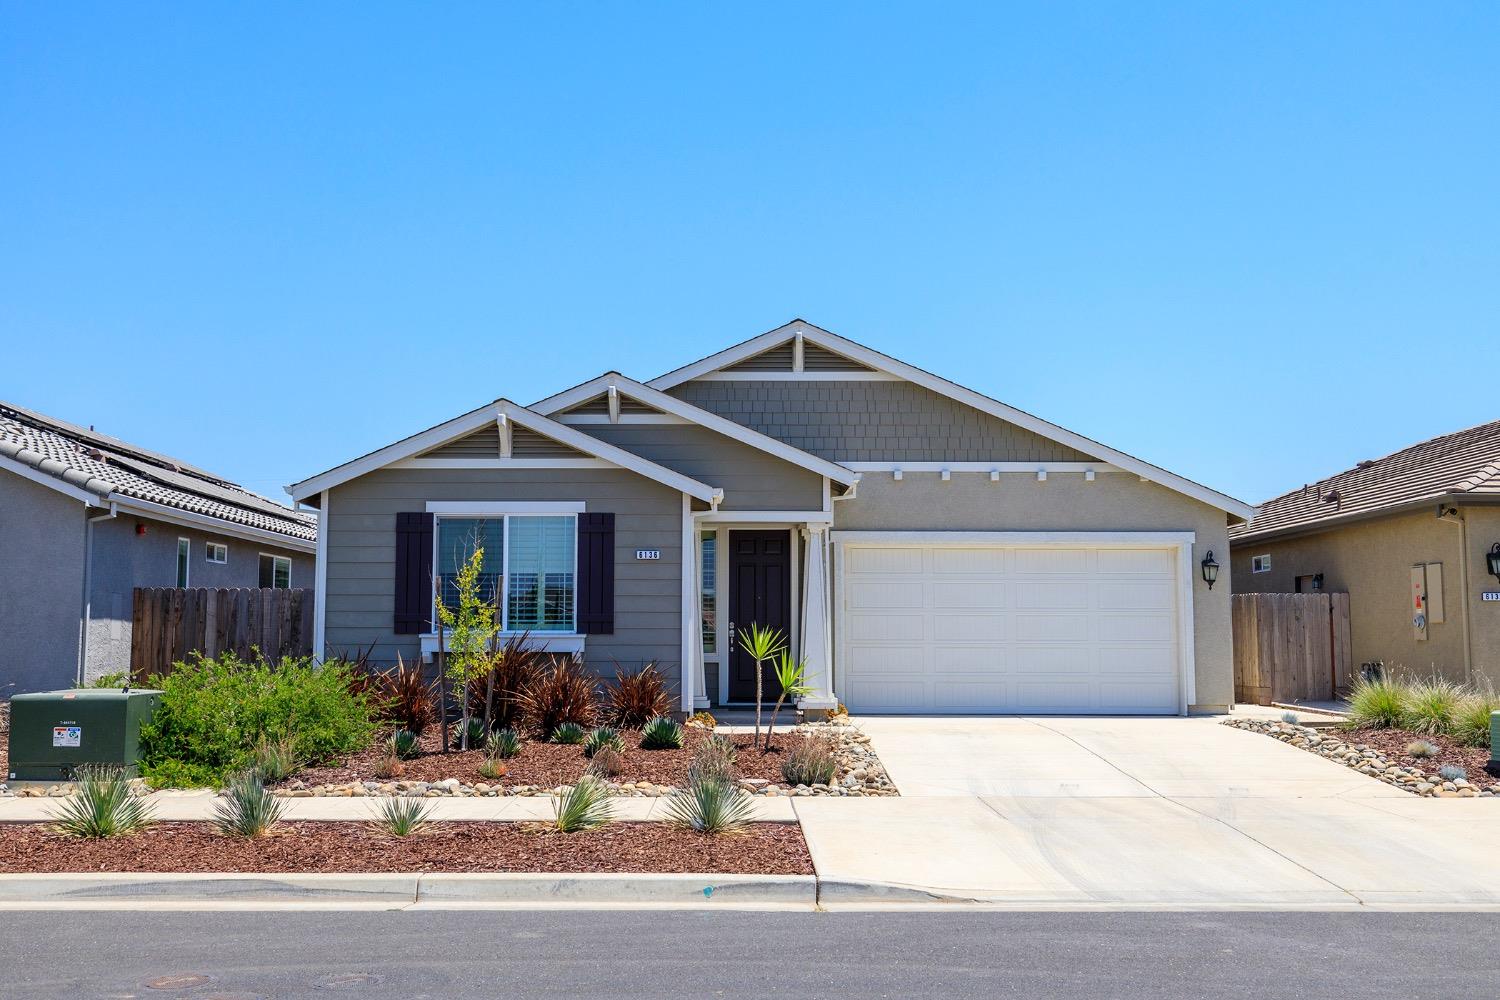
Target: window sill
[(546, 642)]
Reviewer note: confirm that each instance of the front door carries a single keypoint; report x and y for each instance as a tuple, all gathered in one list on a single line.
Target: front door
[(760, 592)]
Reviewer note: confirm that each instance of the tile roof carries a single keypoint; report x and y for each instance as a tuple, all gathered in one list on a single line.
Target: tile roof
[(109, 467), (1454, 466)]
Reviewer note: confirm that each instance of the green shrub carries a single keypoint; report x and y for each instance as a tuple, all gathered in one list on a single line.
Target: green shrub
[(600, 738), (276, 761), (215, 712), (582, 807), (504, 744), (570, 733), (103, 805), (661, 733), (811, 763), (711, 805), (247, 809), (1380, 704), (1430, 705), (1471, 720), (401, 817)]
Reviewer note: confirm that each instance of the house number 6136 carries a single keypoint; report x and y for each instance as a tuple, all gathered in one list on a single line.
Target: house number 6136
[(648, 553)]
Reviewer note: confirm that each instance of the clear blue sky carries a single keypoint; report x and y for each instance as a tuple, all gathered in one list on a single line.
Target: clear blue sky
[(1252, 243)]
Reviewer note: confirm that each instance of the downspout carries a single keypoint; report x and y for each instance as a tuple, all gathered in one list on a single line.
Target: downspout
[(1463, 576), (88, 587)]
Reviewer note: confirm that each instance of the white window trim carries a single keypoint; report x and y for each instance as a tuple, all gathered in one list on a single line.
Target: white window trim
[(184, 563), (274, 556), (208, 548), (1260, 563), (505, 510)]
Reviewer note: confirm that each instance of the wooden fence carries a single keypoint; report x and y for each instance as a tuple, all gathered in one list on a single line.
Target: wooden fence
[(169, 622), (1290, 647)]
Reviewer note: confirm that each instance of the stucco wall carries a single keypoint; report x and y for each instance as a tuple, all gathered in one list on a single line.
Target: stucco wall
[(361, 551), (124, 560), (41, 586), (1064, 502), (1372, 561), (750, 478), (1483, 531)]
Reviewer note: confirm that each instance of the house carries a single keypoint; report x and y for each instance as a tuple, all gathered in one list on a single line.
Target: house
[(926, 548), (86, 518), (1414, 538)]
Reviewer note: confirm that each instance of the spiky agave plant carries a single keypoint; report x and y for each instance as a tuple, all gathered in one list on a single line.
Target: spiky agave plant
[(584, 806), (403, 744), (504, 744), (401, 817), (710, 805), (103, 805), (569, 733), (600, 738), (661, 733), (247, 808)]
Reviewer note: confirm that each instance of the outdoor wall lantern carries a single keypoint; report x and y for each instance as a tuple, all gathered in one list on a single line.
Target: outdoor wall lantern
[(1211, 568), (1493, 559)]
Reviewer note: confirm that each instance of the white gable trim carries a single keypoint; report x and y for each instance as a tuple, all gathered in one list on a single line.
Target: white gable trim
[(979, 401), (511, 413), (712, 421), (51, 482)]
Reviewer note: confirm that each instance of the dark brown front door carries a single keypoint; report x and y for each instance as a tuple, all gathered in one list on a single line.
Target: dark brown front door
[(760, 591)]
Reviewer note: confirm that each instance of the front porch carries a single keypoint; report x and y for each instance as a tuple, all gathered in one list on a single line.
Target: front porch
[(763, 567)]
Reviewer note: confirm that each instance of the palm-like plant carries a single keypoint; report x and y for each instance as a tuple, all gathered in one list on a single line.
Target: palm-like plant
[(761, 644), (103, 806), (710, 805), (791, 675), (401, 817)]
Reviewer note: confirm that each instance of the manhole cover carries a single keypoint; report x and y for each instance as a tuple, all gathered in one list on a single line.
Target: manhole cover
[(179, 981), (342, 979)]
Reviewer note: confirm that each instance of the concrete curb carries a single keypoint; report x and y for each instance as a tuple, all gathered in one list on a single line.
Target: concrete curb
[(400, 890)]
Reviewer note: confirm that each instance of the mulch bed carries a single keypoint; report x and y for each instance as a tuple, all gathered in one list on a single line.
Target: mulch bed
[(1393, 743), (768, 848), (552, 764)]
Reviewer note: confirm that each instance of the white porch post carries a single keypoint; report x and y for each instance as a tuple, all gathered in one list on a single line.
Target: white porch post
[(815, 631), (700, 668)]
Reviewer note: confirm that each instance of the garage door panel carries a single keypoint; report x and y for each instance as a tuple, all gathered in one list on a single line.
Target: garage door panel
[(978, 594), (1072, 595), (888, 627), (970, 629)]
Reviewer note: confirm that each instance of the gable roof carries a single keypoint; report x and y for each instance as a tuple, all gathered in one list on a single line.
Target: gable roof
[(1463, 465), (809, 334), (499, 411), (659, 400), (98, 469)]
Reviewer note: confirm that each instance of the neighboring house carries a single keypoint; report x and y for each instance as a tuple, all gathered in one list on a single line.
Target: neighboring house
[(85, 519), (1408, 537), (927, 548)]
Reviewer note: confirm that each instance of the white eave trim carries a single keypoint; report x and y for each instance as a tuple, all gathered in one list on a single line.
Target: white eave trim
[(687, 411), (52, 482), (513, 413), (1027, 467), (979, 401), (212, 525), (1019, 539)]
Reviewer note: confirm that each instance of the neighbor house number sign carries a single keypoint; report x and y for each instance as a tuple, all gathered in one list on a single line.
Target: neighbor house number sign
[(1491, 595), (648, 553)]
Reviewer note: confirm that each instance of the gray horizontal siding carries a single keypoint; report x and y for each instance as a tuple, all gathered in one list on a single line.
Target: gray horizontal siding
[(648, 594), (873, 422), (751, 479)]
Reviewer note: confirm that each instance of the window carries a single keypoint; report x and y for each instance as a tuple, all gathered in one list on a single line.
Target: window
[(1260, 564), (708, 598), (275, 571), (530, 564), (184, 553), (216, 552)]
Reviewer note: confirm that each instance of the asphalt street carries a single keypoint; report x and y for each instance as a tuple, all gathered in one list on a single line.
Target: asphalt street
[(643, 953)]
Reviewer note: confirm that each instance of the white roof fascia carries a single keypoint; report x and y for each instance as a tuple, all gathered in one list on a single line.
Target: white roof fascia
[(695, 414), (51, 482), (210, 524), (484, 415), (979, 401)]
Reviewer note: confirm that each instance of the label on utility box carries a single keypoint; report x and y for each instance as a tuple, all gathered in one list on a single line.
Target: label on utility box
[(67, 736)]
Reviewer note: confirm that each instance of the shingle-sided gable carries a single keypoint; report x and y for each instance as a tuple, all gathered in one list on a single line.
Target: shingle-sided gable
[(873, 422)]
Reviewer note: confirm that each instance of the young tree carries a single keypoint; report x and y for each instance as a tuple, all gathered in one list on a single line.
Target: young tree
[(470, 626), (761, 645), (790, 674)]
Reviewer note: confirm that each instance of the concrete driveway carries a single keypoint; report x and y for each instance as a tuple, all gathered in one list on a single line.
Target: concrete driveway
[(1141, 812)]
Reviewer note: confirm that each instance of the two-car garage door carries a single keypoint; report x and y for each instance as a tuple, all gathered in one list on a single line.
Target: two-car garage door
[(995, 629)]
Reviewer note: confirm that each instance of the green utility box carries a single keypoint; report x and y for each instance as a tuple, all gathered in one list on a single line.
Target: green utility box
[(52, 732), (1493, 767)]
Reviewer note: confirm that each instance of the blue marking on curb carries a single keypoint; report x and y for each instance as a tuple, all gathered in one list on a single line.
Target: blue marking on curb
[(708, 890)]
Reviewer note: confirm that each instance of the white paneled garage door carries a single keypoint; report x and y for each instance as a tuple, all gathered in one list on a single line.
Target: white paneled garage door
[(994, 629)]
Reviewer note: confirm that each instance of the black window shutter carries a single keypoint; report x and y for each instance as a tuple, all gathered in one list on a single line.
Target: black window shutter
[(596, 574), (413, 572)]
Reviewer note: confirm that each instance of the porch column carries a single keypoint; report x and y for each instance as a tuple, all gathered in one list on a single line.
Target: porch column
[(699, 668), (815, 631)]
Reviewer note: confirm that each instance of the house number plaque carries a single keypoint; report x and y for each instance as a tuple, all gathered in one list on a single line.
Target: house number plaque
[(648, 553)]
